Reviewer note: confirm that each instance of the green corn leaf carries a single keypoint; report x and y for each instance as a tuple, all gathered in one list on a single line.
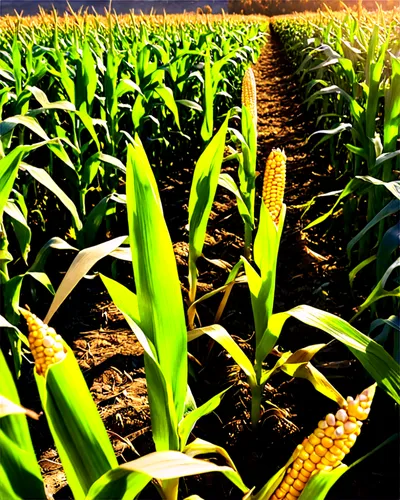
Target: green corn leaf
[(88, 233), (167, 96), (125, 300), (188, 422), (378, 363), (160, 398), (307, 371), (389, 244), (58, 149), (201, 447), (220, 335), (162, 465), (391, 208), (43, 279), (393, 186), (46, 180), (9, 168), (8, 173), (359, 267), (20, 476), (79, 434), (90, 73), (158, 288), (89, 123), (21, 228), (202, 194), (379, 291), (82, 263), (41, 257), (29, 122), (353, 186), (392, 107), (226, 181), (189, 104), (208, 122), (45, 104)]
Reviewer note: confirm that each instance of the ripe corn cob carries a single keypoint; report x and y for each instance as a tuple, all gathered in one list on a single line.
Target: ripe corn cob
[(326, 447), (46, 345), (274, 183), (249, 94)]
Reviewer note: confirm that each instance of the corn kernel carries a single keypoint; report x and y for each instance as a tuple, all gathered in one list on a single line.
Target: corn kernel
[(297, 464), (285, 486), (298, 485), (294, 492), (303, 455), (308, 447), (303, 478), (309, 466), (327, 442), (330, 456), (330, 431), (289, 479), (305, 472), (315, 458), (320, 450), (314, 440)]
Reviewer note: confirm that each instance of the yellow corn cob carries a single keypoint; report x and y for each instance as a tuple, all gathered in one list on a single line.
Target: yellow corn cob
[(249, 94), (274, 183), (46, 345), (326, 447)]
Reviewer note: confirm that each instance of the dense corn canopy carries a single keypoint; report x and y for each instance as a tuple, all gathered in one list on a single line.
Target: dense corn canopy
[(46, 345), (326, 447), (274, 183)]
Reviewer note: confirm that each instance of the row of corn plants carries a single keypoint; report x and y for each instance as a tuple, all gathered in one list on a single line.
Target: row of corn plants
[(74, 91), (349, 67), (155, 309), (155, 313)]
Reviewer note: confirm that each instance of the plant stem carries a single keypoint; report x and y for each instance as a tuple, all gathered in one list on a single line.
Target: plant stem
[(256, 395), (192, 292), (170, 488), (5, 257), (248, 238)]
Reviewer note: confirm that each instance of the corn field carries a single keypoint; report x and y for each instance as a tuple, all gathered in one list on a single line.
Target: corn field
[(155, 339)]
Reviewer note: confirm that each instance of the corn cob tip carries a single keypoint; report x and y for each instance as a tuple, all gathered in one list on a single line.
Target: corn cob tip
[(361, 405), (46, 345), (327, 446)]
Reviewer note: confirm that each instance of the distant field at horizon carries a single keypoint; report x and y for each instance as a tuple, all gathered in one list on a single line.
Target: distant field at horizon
[(30, 7)]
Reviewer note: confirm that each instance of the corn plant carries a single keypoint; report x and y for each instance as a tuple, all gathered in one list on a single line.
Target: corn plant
[(95, 474), (60, 381), (247, 157), (261, 278), (350, 71), (156, 315)]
